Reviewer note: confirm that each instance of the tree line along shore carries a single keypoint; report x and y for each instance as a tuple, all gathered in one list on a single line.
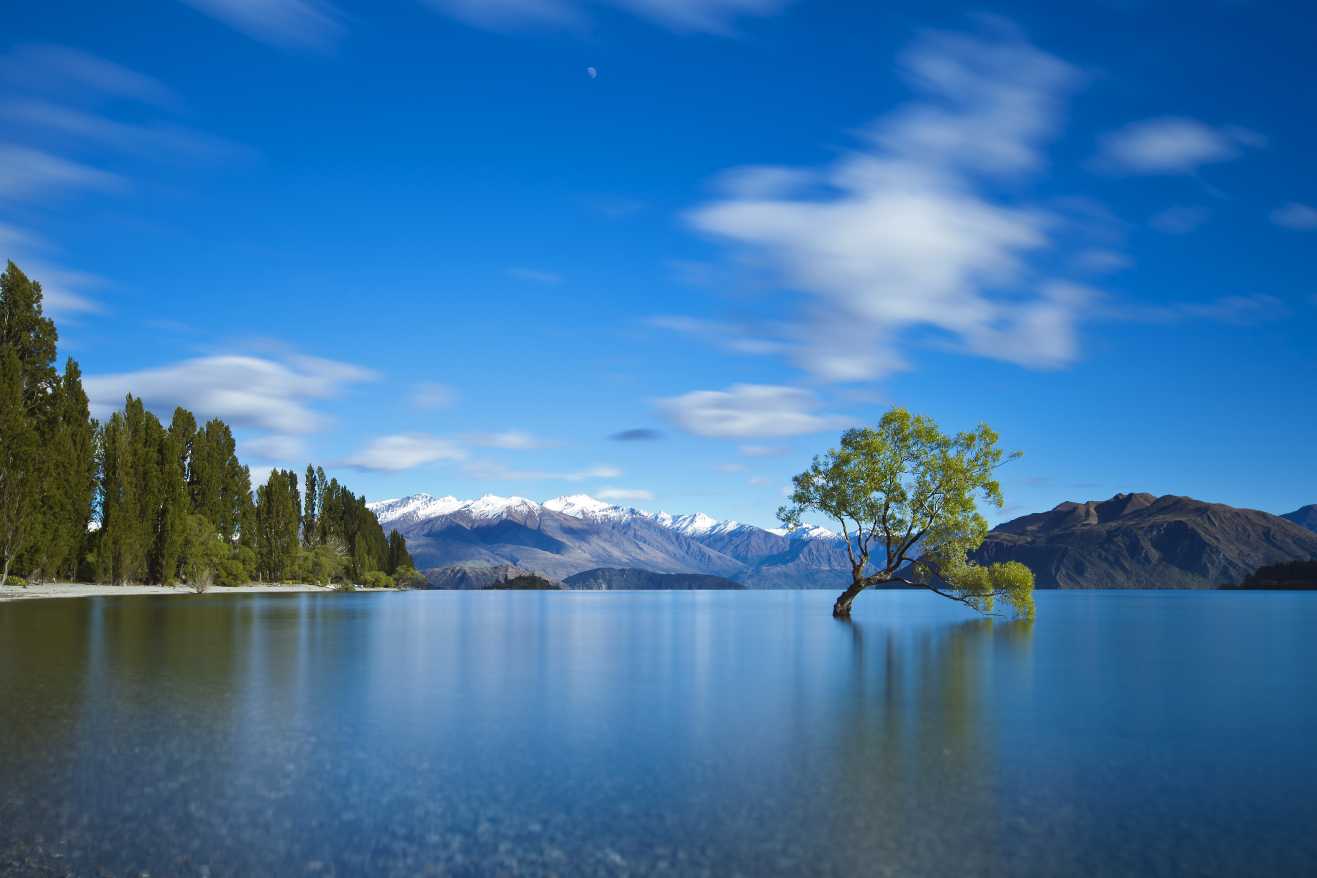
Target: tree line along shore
[(135, 501)]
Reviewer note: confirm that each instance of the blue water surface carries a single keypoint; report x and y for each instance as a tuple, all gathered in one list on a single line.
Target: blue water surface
[(721, 733)]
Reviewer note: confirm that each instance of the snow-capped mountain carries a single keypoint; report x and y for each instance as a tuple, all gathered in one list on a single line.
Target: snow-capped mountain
[(576, 533)]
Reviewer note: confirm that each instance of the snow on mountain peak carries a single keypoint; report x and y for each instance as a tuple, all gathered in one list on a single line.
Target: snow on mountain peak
[(420, 507), (493, 506), (416, 507), (577, 505)]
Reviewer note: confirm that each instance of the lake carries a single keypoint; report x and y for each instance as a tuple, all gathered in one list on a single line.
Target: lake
[(468, 733)]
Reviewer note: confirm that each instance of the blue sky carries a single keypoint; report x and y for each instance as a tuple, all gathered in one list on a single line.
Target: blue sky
[(419, 242)]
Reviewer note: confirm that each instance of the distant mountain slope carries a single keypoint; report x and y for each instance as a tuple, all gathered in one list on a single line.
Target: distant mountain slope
[(1142, 540), (1305, 516), (472, 576), (613, 579), (569, 535)]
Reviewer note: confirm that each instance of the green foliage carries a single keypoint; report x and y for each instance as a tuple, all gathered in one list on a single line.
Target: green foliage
[(409, 577), (204, 551), (398, 556), (321, 565), (46, 451), (238, 568), (170, 502), (219, 485), (19, 485), (905, 495), (278, 520), (377, 579)]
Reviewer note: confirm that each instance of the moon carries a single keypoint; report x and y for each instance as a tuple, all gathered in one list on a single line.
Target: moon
[(592, 73)]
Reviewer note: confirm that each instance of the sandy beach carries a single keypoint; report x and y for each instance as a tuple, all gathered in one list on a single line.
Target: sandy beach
[(83, 590)]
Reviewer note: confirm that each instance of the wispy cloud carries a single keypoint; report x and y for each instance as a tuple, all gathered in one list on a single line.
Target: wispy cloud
[(1240, 310), (158, 140), (535, 275), (430, 395), (1172, 145), (403, 452), (749, 410), (903, 235), (739, 339), (762, 450), (46, 69), (1295, 216), (243, 390), (66, 292), (25, 173), (484, 469), (297, 24), (274, 448), (1097, 260), (710, 16), (509, 440)]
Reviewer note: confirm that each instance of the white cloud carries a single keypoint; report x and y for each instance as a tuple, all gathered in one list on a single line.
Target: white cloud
[(902, 236), (432, 395), (243, 390), (748, 410), (274, 447), (1180, 220), (403, 452), (259, 475), (26, 172), (65, 292), (157, 140), (54, 68), (1171, 145), (712, 16), (737, 339), (623, 495), (290, 23), (1295, 216), (731, 467), (510, 440)]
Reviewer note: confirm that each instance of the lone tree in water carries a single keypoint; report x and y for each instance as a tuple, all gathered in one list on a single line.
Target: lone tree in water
[(904, 493)]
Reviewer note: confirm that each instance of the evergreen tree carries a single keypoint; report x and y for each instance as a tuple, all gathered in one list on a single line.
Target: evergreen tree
[(218, 483), (399, 557), (129, 493), (52, 412), (309, 509), (67, 480), (32, 337), (278, 520), (18, 455), (175, 507)]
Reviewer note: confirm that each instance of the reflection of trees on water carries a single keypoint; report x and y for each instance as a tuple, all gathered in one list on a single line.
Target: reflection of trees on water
[(917, 742)]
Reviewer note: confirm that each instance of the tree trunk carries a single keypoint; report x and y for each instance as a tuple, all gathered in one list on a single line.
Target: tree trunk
[(842, 608)]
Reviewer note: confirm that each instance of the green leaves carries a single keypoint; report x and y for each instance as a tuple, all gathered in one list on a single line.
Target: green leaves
[(906, 495)]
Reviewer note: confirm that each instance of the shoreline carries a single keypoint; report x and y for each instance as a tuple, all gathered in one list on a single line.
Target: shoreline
[(49, 590)]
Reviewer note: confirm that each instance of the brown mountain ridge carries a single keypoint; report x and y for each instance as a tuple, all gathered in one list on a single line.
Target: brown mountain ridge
[(1143, 541)]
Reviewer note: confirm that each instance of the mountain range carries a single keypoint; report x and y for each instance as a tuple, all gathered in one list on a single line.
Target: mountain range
[(570, 535), (1131, 540), (1138, 540)]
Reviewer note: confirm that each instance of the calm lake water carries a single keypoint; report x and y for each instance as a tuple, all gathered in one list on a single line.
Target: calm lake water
[(721, 733)]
